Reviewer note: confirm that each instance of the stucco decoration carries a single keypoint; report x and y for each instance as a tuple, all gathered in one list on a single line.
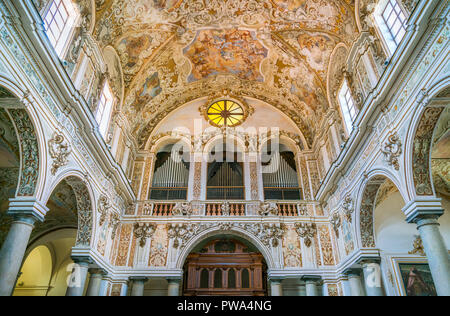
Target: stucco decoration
[(182, 209), (30, 152), (269, 234), (392, 151), (422, 150), (142, 231), (59, 149), (176, 52), (102, 208), (84, 208), (307, 231), (347, 208), (366, 211)]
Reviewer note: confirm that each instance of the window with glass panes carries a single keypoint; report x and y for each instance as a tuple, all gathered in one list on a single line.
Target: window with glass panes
[(394, 18), (59, 21), (348, 106), (104, 110)]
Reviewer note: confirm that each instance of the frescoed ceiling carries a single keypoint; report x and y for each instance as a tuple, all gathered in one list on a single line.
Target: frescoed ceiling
[(176, 51)]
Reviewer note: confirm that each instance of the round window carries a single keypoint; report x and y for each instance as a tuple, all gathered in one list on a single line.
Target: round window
[(225, 113)]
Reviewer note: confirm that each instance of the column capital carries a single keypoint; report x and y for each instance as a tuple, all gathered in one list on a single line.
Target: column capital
[(352, 272), (82, 260), (173, 279), (369, 260), (138, 279), (27, 207), (424, 208), (311, 278), (97, 271)]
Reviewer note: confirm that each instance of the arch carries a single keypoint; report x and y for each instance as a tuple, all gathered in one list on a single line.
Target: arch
[(365, 205), (159, 141), (234, 231), (209, 146), (419, 137), (85, 202), (286, 140), (30, 137)]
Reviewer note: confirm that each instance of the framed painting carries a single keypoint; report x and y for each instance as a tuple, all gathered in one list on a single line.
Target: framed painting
[(416, 279)]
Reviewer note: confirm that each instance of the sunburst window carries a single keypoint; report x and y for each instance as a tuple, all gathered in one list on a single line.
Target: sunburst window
[(225, 113)]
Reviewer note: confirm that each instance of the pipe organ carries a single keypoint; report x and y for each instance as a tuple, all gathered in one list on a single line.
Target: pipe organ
[(280, 177), (170, 179), (225, 181)]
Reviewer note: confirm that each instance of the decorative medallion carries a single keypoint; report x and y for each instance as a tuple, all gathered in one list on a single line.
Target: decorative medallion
[(225, 113)]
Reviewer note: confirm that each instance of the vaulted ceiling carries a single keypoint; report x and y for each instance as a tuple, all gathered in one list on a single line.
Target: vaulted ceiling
[(174, 51)]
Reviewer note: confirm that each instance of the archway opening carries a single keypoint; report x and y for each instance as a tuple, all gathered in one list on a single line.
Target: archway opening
[(225, 265)]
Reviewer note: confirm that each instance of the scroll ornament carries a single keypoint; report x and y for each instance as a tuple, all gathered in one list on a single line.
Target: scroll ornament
[(103, 207), (347, 207), (392, 150), (307, 231), (336, 222), (59, 151), (143, 231), (114, 223)]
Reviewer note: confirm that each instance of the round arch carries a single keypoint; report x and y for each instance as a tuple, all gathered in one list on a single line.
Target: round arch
[(236, 231), (29, 131), (85, 200), (365, 205), (419, 136)]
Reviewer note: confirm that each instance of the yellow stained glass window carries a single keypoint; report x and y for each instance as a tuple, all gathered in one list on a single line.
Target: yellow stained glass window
[(225, 113)]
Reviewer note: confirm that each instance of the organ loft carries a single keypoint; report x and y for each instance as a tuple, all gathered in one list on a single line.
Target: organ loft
[(224, 148)]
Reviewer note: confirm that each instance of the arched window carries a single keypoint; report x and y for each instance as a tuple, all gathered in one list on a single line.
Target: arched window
[(348, 107), (218, 278), (171, 175), (104, 110), (280, 176), (391, 21), (59, 20), (204, 279), (245, 279), (225, 175), (231, 279)]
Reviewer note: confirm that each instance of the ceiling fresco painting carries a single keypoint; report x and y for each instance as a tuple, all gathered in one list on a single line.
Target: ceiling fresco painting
[(176, 51)]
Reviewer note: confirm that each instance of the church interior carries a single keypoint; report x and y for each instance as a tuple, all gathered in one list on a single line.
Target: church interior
[(224, 148)]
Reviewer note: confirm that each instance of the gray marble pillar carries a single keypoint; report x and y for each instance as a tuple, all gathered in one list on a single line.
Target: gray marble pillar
[(78, 277), (13, 251), (138, 285), (372, 277), (436, 251), (354, 279), (95, 282), (173, 288), (276, 287)]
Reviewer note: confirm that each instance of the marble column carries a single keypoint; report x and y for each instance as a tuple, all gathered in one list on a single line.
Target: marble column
[(372, 277), (95, 282), (173, 288), (138, 285), (311, 285), (354, 279), (78, 277), (436, 251), (13, 251), (276, 287)]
